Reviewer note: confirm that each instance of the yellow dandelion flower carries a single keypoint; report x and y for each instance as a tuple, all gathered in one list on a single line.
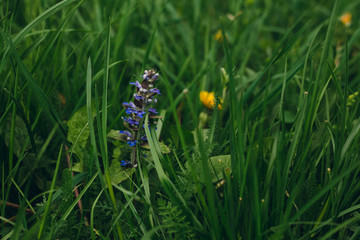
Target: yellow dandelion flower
[(208, 99), (346, 19)]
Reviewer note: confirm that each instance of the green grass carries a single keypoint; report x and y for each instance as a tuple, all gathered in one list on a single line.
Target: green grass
[(280, 160)]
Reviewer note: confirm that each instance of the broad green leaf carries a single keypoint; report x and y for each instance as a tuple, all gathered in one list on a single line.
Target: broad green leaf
[(21, 135), (219, 165), (114, 134), (78, 133), (78, 127), (118, 173)]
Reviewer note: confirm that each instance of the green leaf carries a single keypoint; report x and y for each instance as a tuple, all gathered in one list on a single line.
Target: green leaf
[(118, 173), (163, 147), (78, 167), (78, 127), (219, 165), (114, 134), (78, 133), (21, 135)]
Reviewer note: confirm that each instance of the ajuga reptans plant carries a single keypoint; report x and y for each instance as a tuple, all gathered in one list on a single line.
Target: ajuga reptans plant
[(144, 97)]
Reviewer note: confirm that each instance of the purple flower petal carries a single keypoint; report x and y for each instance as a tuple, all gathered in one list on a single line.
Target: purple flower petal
[(140, 113), (138, 97), (129, 105), (131, 121), (155, 90), (153, 110), (155, 76), (137, 84), (127, 133)]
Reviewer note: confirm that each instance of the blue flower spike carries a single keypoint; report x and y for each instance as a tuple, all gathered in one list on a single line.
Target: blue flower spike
[(144, 97)]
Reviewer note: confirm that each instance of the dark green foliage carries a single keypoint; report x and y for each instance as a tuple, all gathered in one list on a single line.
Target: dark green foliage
[(173, 221), (67, 195), (65, 229), (279, 160)]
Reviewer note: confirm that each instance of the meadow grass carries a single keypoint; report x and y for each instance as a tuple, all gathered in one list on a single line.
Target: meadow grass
[(278, 160)]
